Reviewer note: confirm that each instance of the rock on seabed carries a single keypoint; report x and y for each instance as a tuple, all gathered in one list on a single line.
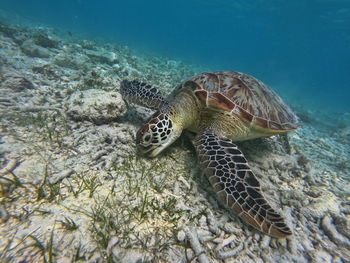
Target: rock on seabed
[(97, 106), (31, 49)]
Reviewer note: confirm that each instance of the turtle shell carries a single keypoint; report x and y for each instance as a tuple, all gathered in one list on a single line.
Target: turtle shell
[(243, 95)]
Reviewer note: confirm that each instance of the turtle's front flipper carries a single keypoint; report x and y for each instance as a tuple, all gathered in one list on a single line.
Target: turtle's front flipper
[(236, 185), (142, 94)]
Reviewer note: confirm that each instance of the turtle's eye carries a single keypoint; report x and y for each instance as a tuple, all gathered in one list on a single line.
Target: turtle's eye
[(147, 137)]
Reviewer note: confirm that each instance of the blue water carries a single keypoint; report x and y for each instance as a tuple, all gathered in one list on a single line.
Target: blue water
[(301, 48)]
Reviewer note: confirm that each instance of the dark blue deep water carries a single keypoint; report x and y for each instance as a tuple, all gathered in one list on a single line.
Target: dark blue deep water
[(301, 48)]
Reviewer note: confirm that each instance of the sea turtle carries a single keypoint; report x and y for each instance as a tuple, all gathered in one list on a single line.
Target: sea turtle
[(220, 107)]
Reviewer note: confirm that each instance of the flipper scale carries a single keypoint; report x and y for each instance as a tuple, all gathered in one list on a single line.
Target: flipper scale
[(236, 185), (142, 94)]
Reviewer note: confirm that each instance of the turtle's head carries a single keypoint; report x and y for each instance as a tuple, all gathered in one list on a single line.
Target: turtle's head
[(157, 133)]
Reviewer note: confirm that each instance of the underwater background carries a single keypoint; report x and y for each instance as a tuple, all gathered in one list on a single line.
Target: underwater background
[(74, 187), (300, 48)]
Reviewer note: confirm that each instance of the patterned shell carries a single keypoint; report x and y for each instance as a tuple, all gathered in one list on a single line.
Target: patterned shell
[(244, 96)]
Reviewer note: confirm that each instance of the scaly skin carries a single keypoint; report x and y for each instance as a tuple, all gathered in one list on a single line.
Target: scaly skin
[(236, 185), (142, 94)]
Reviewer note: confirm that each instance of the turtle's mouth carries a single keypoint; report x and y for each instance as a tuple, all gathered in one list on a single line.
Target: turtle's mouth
[(150, 150), (156, 151)]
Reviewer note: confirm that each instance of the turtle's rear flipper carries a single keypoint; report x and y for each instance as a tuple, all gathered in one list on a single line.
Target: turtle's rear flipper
[(236, 185), (142, 94)]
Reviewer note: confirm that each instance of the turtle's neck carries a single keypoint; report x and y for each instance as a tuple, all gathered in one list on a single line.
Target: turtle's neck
[(184, 110)]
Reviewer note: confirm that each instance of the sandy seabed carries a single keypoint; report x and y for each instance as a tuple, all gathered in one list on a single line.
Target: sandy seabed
[(72, 187)]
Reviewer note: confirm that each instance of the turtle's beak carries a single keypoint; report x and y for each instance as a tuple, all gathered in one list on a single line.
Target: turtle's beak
[(156, 151), (151, 150)]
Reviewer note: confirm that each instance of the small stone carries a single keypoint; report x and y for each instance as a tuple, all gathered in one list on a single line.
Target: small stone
[(42, 39), (181, 236), (332, 233), (321, 256), (257, 237), (265, 242), (213, 226), (31, 49), (231, 253), (17, 83), (46, 70), (229, 227), (227, 241), (307, 245), (321, 206), (190, 254), (97, 155), (274, 243), (310, 179), (342, 224), (109, 58), (111, 160), (112, 243), (128, 255), (192, 237), (9, 167), (203, 221), (60, 176), (282, 242), (267, 258), (292, 246), (4, 215), (204, 235), (70, 61), (8, 30)]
